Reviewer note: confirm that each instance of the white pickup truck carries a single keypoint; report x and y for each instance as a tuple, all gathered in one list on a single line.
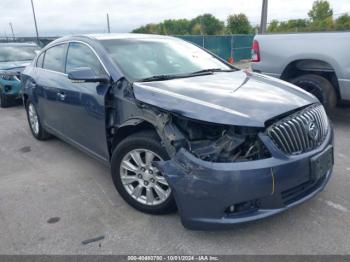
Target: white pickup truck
[(317, 62)]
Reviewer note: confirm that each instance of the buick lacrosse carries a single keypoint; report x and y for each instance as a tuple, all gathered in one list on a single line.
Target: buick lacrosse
[(180, 127)]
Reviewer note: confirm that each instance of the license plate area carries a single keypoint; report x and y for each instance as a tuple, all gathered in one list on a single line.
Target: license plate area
[(321, 163)]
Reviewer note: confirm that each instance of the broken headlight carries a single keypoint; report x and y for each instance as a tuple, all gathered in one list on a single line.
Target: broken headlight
[(219, 143)]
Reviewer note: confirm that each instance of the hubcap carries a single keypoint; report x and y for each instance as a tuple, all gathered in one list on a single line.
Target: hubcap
[(33, 119), (141, 179)]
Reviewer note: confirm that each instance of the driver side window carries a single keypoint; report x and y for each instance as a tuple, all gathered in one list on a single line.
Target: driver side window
[(80, 55)]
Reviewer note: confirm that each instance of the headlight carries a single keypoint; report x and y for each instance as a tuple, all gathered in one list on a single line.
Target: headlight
[(8, 77)]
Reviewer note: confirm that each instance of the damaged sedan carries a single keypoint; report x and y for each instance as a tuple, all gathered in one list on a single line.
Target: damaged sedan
[(181, 128)]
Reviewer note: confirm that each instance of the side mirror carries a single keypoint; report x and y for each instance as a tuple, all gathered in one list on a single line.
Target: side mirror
[(85, 74)]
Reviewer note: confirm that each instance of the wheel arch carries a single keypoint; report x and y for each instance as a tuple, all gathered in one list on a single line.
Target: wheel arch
[(128, 128), (25, 99), (300, 67)]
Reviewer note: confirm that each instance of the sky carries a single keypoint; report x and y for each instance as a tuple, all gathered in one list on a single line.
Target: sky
[(62, 17)]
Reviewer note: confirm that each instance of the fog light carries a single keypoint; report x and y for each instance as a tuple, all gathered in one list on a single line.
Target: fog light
[(8, 88), (231, 209), (247, 206)]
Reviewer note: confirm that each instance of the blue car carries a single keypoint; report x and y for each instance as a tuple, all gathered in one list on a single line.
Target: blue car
[(13, 58), (181, 128)]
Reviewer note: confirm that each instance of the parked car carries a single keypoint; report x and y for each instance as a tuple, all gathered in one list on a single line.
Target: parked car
[(316, 62), (180, 127), (13, 58)]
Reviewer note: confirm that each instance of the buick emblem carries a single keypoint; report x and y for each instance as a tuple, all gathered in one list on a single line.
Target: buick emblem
[(313, 130)]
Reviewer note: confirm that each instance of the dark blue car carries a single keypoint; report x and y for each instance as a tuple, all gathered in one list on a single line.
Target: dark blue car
[(180, 127)]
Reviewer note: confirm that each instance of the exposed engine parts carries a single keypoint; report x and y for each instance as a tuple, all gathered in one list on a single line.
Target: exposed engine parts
[(218, 143), (207, 141)]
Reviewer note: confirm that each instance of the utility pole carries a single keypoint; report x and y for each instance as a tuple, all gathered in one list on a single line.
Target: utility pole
[(13, 34), (202, 29), (108, 27), (36, 26), (263, 17)]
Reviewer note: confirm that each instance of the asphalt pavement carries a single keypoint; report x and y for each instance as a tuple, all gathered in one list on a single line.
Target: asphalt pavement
[(53, 197)]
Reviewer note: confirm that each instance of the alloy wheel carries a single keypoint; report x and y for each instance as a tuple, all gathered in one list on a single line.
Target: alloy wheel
[(33, 119), (141, 179)]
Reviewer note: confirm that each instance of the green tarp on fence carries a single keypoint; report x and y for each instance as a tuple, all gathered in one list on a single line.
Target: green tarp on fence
[(224, 46)]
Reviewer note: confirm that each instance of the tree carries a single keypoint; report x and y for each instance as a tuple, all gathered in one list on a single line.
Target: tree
[(321, 16), (209, 25), (238, 24), (206, 24), (196, 29), (292, 25), (148, 29), (320, 11), (274, 26), (342, 22), (176, 27)]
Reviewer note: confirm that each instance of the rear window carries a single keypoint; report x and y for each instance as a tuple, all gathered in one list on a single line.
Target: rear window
[(55, 58)]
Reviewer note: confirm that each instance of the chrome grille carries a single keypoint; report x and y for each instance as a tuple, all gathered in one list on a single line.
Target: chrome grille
[(302, 131)]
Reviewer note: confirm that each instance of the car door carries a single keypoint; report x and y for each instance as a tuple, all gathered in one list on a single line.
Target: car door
[(50, 78), (83, 104)]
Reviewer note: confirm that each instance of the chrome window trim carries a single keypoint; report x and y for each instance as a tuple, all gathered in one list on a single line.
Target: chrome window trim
[(68, 42), (52, 71)]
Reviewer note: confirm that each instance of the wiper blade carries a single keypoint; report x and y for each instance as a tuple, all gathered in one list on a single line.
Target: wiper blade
[(168, 77), (157, 78), (212, 70), (196, 73)]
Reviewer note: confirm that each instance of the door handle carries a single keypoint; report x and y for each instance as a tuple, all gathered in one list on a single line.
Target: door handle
[(61, 95)]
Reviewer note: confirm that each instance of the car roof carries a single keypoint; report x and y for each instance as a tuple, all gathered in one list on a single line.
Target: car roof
[(106, 36), (124, 36)]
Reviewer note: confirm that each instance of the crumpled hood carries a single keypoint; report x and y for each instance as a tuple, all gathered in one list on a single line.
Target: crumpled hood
[(18, 65), (233, 98)]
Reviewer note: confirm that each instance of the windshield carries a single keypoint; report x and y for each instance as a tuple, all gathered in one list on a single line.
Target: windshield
[(144, 58), (17, 53)]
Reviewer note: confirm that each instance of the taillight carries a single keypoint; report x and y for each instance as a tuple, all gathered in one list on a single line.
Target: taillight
[(255, 51)]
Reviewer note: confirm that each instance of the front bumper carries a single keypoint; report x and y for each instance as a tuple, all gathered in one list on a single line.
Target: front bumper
[(11, 88), (204, 190)]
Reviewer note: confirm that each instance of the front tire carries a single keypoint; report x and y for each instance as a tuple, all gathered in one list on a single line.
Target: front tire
[(136, 179), (319, 87), (4, 100), (37, 129)]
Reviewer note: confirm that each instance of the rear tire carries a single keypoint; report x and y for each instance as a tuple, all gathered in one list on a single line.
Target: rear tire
[(319, 87), (146, 141), (36, 128)]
